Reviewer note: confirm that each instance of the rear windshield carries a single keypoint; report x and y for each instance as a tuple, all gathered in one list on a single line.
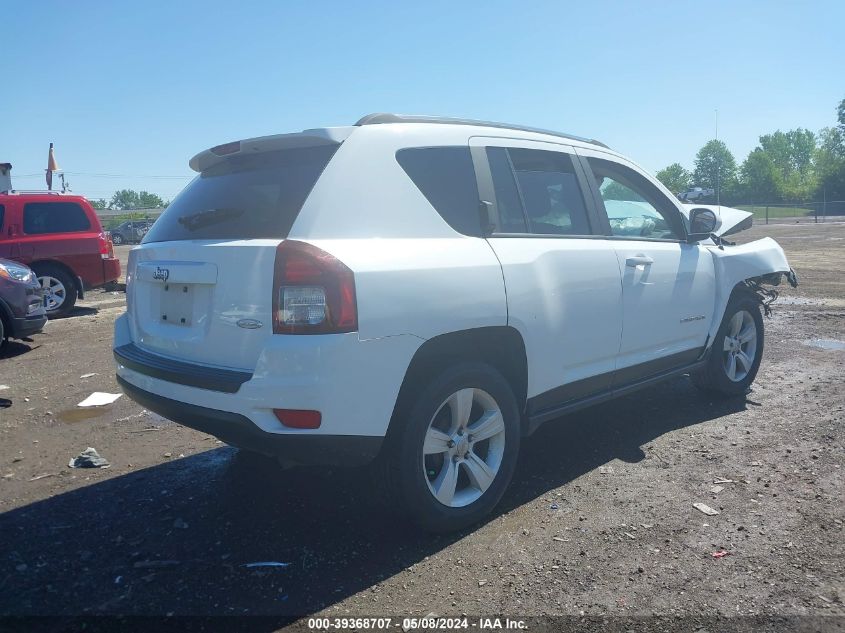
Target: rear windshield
[(244, 197)]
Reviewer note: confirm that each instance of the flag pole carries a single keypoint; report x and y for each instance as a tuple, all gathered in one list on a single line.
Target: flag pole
[(51, 167)]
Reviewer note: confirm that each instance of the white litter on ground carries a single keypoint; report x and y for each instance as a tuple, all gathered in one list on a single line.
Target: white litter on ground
[(99, 398), (706, 509), (89, 375)]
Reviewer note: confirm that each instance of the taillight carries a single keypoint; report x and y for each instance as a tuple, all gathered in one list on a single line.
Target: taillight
[(313, 292), (106, 246)]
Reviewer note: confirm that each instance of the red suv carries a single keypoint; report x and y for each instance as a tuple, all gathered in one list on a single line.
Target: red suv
[(60, 237)]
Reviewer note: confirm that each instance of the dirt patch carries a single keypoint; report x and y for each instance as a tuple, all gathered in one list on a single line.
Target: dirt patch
[(599, 520)]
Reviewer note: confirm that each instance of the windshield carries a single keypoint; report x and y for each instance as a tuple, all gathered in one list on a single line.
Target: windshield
[(244, 197)]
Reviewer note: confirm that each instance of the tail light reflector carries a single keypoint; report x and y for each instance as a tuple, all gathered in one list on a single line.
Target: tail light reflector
[(299, 418), (313, 292)]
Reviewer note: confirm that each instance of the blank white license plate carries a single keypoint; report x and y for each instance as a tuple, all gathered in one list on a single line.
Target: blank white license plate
[(177, 304)]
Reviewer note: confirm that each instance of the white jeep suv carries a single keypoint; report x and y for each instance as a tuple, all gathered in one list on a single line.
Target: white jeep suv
[(422, 292)]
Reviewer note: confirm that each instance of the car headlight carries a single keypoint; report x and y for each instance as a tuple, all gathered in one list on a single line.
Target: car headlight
[(16, 272)]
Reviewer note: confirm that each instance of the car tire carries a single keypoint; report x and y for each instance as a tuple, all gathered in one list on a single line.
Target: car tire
[(61, 286), (116, 239), (432, 468), (3, 336), (737, 349)]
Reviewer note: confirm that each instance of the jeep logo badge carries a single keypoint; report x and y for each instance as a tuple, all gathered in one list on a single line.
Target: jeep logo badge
[(161, 273)]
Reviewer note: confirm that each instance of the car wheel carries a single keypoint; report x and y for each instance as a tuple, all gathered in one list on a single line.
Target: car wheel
[(453, 449), (737, 349), (116, 239), (3, 339), (59, 290)]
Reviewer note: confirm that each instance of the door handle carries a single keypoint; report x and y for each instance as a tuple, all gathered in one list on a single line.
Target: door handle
[(638, 260)]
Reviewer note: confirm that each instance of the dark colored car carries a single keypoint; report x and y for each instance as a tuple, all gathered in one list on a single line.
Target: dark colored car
[(22, 310), (130, 232), (60, 237)]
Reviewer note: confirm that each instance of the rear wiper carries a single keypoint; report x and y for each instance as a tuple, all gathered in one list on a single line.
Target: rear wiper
[(209, 217)]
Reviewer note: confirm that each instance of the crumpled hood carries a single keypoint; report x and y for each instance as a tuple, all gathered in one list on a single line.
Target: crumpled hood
[(730, 220)]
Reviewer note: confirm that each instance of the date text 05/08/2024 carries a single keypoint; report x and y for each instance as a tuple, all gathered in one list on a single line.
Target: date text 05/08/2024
[(411, 624)]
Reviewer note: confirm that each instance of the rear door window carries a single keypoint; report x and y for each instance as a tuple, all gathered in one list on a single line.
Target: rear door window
[(244, 197), (2, 215), (54, 217), (547, 191), (446, 177)]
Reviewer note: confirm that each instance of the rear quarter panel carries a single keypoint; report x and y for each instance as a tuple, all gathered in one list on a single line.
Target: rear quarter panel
[(78, 251), (414, 274), (423, 287)]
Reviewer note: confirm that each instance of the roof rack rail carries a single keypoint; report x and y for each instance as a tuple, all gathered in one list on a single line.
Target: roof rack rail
[(13, 192), (382, 117)]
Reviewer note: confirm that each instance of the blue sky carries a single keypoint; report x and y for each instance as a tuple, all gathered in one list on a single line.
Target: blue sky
[(134, 89)]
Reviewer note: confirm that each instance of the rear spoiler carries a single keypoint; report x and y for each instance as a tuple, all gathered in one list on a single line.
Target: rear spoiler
[(306, 138)]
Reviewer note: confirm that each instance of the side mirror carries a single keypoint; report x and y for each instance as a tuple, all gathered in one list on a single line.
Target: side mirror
[(702, 223)]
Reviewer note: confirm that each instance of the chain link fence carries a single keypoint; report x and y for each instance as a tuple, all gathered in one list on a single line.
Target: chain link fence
[(110, 218), (795, 212)]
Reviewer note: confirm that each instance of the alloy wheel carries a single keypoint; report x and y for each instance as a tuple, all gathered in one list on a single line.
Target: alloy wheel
[(464, 447), (740, 346), (54, 292)]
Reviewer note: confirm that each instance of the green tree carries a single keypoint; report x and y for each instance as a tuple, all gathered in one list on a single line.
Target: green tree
[(760, 179), (613, 190), (148, 200), (99, 204), (715, 168), (125, 199), (840, 111), (830, 162), (793, 153), (675, 177)]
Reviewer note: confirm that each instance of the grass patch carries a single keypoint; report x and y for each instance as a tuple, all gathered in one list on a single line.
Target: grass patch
[(777, 212)]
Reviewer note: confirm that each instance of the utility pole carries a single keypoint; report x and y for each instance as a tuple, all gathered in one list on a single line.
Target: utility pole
[(824, 204), (718, 158)]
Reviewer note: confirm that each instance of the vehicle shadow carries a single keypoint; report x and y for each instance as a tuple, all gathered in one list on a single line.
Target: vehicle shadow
[(74, 312), (175, 538), (563, 450), (16, 348)]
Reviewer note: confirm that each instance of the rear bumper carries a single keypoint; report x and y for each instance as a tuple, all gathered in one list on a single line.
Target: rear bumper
[(352, 383), (237, 430), (111, 270), (136, 359)]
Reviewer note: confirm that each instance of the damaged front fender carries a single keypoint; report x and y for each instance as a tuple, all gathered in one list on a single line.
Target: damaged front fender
[(755, 264)]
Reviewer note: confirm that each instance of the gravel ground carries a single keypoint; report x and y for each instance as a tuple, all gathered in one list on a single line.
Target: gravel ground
[(599, 521)]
